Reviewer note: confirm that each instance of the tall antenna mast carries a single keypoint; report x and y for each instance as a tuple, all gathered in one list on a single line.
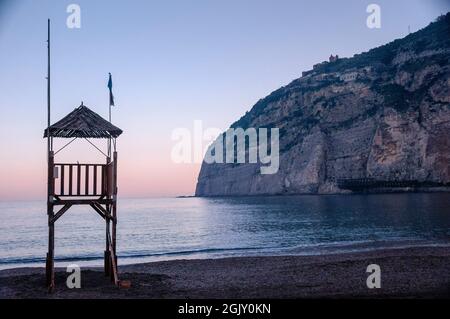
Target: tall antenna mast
[(49, 146)]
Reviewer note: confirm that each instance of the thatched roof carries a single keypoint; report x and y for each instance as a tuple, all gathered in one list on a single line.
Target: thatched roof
[(84, 123)]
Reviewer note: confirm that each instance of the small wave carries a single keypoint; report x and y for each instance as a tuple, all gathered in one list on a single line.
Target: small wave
[(360, 246), (194, 251), (309, 249), (126, 255)]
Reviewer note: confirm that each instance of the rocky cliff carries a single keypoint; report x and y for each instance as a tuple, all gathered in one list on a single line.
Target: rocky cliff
[(382, 114)]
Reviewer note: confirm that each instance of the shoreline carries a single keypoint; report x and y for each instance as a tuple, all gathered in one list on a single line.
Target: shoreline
[(413, 272), (322, 249)]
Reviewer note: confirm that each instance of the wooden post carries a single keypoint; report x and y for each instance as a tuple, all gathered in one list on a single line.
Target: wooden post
[(107, 257), (70, 179), (94, 182), (62, 180), (86, 182), (78, 179), (50, 271), (114, 208), (107, 251)]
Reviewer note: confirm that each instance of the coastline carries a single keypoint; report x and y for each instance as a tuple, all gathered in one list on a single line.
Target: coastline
[(413, 272), (373, 191)]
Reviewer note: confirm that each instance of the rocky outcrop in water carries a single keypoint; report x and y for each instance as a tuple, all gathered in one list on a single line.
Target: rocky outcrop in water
[(382, 115)]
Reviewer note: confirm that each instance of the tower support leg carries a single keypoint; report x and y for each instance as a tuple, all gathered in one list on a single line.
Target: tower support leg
[(114, 213), (114, 233), (50, 265), (107, 257)]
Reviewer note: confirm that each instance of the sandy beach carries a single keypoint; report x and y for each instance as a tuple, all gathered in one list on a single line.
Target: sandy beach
[(422, 272)]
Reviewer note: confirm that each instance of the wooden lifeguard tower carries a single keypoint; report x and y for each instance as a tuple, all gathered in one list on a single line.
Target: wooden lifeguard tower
[(92, 184)]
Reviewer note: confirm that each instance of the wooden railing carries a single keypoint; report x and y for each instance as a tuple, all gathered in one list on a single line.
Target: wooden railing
[(83, 179)]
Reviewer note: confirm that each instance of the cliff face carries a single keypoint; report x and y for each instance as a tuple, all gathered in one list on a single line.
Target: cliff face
[(383, 114)]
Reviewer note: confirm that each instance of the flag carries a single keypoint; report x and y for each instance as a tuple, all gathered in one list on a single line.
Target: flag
[(111, 96)]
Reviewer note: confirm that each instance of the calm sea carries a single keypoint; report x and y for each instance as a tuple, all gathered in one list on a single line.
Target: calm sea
[(174, 228)]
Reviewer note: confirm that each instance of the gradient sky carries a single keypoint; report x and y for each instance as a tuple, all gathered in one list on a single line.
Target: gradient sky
[(172, 62)]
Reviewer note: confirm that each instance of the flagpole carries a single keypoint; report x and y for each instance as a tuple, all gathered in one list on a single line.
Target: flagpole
[(109, 141), (110, 121), (49, 146)]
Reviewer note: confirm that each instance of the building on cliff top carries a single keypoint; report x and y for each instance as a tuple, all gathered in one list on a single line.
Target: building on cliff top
[(333, 58)]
